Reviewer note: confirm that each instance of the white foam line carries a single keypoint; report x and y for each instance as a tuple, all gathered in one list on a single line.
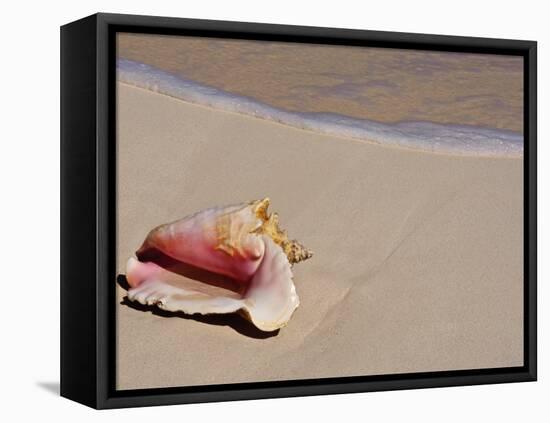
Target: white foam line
[(427, 136)]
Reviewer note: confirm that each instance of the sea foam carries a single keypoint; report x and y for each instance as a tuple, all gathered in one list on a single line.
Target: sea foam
[(427, 136)]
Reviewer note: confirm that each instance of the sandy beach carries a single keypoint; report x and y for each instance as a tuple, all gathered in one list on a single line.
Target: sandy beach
[(418, 260)]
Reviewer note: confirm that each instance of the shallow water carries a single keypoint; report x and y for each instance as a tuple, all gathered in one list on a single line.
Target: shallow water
[(380, 84), (424, 135)]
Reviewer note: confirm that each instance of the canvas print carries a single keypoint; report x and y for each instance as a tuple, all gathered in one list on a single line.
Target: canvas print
[(296, 211)]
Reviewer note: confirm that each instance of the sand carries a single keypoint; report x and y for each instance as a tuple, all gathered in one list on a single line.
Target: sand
[(418, 260)]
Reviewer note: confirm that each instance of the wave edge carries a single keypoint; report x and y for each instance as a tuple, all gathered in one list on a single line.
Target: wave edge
[(467, 140)]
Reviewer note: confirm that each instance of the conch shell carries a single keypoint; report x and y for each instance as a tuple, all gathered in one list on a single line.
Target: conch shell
[(242, 244)]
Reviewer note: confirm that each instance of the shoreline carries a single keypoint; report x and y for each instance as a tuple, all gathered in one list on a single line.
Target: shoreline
[(458, 139), (343, 137), (384, 85)]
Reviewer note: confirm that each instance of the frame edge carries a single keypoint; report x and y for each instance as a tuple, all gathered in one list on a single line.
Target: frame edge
[(531, 215), (106, 398), (78, 211)]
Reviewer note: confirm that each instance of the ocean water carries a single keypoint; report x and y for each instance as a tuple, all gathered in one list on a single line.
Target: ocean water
[(458, 139), (381, 84)]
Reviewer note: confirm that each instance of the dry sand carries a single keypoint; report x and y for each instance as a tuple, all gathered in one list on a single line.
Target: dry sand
[(418, 260)]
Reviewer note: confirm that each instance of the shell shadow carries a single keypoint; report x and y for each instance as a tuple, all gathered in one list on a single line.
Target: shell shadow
[(234, 320)]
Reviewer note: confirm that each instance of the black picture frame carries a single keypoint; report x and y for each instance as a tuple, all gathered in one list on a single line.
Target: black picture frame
[(88, 205)]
